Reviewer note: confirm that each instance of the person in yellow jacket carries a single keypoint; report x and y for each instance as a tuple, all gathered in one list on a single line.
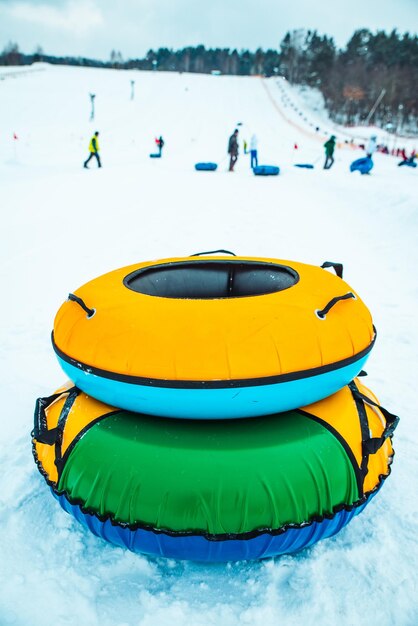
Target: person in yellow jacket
[(94, 150)]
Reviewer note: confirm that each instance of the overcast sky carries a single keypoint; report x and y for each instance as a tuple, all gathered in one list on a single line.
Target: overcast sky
[(94, 27)]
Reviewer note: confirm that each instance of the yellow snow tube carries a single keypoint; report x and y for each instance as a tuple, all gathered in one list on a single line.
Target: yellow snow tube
[(212, 323)]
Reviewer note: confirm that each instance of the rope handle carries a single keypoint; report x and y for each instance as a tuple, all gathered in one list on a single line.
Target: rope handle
[(338, 267), (322, 313), (374, 444), (214, 252), (80, 301)]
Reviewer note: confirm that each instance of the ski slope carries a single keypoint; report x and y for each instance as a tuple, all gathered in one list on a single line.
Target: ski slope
[(63, 225)]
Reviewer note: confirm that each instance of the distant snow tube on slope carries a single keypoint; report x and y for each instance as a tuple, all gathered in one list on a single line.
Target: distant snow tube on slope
[(364, 165), (155, 155), (307, 166), (408, 163), (206, 167), (213, 337), (266, 170), (214, 491)]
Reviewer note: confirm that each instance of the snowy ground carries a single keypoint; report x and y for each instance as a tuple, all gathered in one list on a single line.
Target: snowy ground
[(62, 225), (306, 106)]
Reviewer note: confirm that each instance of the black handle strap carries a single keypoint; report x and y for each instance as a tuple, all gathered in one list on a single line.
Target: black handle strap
[(338, 267), (214, 252), (373, 444), (322, 313), (40, 428), (80, 301), (53, 435), (62, 420)]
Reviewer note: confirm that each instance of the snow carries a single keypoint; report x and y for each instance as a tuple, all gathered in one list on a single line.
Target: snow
[(63, 225), (306, 105)]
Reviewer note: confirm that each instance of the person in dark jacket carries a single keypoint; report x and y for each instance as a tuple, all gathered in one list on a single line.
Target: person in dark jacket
[(329, 152), (160, 144), (233, 149), (94, 150)]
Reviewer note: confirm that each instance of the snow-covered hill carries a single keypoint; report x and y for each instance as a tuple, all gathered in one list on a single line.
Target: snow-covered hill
[(62, 225)]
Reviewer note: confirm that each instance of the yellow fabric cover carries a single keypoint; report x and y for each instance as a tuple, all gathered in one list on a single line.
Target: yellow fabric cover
[(339, 410), (83, 411)]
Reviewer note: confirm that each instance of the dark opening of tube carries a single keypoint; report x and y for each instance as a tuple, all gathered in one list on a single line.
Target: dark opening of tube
[(205, 280)]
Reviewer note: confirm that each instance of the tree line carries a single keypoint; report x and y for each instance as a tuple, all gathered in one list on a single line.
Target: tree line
[(372, 79)]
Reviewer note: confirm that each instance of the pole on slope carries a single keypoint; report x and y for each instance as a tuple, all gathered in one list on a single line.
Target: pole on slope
[(132, 89), (92, 97), (399, 119), (374, 107), (15, 139)]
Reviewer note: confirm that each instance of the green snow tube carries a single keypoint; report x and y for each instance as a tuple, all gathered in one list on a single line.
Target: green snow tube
[(214, 490)]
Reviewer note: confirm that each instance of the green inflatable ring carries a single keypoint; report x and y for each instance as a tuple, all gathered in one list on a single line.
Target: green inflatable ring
[(214, 478), (212, 490)]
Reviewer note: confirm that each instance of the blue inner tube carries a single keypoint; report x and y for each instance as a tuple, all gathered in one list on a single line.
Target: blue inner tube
[(408, 163), (266, 170), (226, 402), (362, 165), (206, 167)]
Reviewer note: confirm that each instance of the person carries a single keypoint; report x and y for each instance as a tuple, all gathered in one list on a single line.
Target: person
[(371, 146), (329, 152), (233, 149), (94, 150), (253, 151), (160, 144)]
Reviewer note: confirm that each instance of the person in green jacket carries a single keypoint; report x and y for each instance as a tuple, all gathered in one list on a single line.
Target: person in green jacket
[(94, 150), (329, 152)]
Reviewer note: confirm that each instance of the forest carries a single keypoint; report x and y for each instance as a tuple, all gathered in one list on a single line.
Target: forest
[(373, 78)]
